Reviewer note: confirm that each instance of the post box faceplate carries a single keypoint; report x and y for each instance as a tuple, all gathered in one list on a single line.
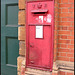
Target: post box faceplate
[(39, 34), (42, 15)]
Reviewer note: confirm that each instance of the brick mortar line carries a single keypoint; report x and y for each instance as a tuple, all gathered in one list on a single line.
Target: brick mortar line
[(66, 26), (64, 57), (66, 3), (66, 21)]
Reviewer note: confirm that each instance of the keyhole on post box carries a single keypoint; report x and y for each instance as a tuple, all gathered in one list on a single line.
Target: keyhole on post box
[(31, 45)]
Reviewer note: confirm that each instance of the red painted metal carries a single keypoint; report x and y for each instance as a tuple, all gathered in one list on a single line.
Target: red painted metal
[(36, 11), (39, 52)]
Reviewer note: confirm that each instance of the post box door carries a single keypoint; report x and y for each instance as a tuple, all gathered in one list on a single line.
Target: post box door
[(39, 34), (39, 48)]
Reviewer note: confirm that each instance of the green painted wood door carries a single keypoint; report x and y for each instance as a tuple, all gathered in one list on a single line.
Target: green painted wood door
[(9, 37)]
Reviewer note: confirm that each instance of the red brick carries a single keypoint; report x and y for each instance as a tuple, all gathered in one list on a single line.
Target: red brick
[(65, 9), (64, 36), (72, 41), (71, 1), (59, 1), (55, 45), (72, 51), (69, 73), (55, 41), (72, 33), (56, 23), (70, 37), (71, 19), (56, 4), (70, 46), (65, 15), (71, 9), (72, 59), (56, 14), (59, 28), (59, 19), (56, 10), (62, 73), (70, 55), (72, 23), (72, 14), (64, 28), (63, 58), (58, 54), (65, 5), (63, 50), (55, 55), (55, 32), (64, 41), (71, 28), (55, 37), (64, 19), (64, 1), (64, 32), (60, 10), (72, 5), (59, 36), (62, 54), (56, 19), (65, 23), (56, 1), (59, 45), (63, 45), (55, 28)]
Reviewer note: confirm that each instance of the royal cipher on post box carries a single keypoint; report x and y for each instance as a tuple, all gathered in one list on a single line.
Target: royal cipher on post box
[(39, 34)]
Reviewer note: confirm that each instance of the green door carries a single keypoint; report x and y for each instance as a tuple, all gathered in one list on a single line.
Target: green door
[(9, 37)]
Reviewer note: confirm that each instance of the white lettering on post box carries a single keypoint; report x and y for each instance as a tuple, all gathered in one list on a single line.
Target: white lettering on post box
[(49, 18), (39, 31), (40, 19)]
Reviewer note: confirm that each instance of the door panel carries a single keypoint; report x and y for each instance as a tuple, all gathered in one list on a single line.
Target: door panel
[(11, 9), (39, 49), (9, 37), (11, 50)]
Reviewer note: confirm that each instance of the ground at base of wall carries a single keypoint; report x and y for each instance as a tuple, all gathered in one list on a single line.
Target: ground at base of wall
[(29, 71), (59, 68)]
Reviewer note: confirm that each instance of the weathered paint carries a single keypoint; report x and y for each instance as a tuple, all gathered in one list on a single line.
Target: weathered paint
[(39, 51)]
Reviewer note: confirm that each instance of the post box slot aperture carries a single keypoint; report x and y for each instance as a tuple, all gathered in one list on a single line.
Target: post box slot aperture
[(39, 11)]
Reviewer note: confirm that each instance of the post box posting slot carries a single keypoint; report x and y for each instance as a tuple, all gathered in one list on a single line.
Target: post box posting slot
[(42, 11), (39, 34)]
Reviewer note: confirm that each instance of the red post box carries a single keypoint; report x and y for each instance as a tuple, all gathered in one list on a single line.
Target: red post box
[(39, 34)]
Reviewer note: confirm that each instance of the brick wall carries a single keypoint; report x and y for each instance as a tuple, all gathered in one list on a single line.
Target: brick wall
[(63, 37), (66, 30)]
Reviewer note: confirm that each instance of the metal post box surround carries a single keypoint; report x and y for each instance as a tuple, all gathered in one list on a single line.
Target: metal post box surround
[(39, 49)]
